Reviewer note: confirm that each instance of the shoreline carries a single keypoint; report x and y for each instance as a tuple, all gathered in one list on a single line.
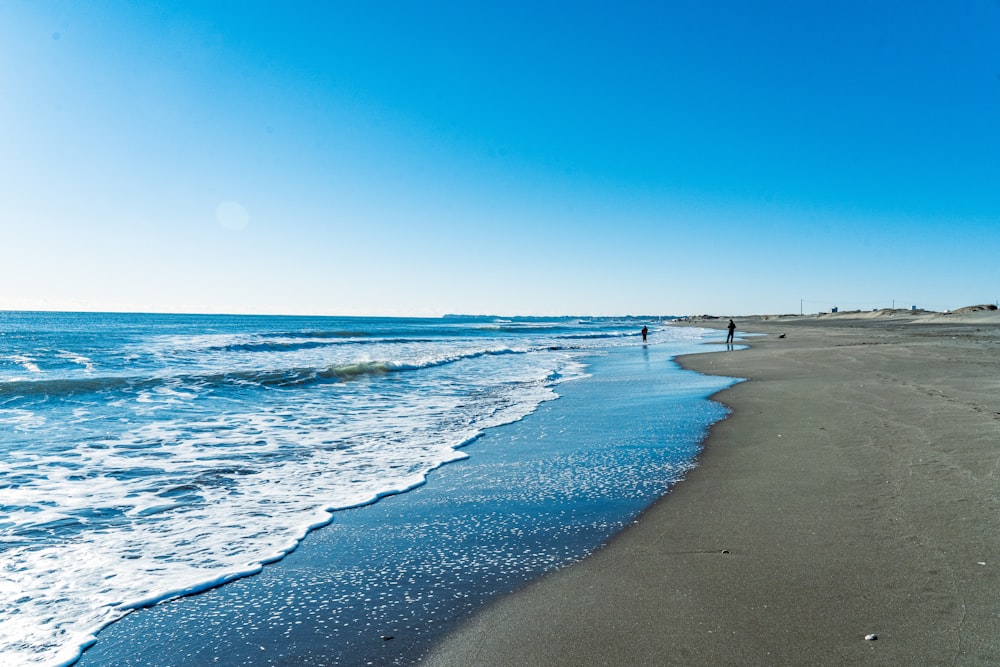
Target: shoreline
[(853, 491), (383, 582)]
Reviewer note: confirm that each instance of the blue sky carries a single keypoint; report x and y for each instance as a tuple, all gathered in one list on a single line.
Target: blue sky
[(401, 158)]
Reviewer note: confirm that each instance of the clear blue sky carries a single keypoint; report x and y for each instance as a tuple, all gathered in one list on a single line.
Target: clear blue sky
[(421, 158)]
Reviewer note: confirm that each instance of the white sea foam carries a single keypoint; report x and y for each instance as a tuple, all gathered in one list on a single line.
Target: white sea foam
[(88, 365), (26, 362), (21, 420)]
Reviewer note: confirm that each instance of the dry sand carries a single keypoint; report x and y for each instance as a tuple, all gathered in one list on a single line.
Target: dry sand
[(854, 490)]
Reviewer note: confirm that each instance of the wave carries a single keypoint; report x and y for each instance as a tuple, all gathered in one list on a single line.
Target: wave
[(357, 370), (615, 334), (306, 375), (271, 346), (295, 345), (67, 386), (280, 377), (522, 327), (322, 334), (26, 362)]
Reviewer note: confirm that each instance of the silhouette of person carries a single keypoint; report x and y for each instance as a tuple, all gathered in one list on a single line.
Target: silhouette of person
[(644, 332), (732, 330)]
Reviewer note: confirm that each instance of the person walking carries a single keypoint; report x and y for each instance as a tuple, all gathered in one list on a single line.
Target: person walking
[(732, 331)]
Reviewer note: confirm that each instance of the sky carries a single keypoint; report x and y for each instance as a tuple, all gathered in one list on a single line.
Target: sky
[(675, 157)]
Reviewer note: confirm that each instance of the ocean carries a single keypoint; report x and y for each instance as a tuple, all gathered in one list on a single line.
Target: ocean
[(149, 457)]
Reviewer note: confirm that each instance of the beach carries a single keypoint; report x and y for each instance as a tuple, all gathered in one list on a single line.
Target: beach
[(847, 512), (539, 486)]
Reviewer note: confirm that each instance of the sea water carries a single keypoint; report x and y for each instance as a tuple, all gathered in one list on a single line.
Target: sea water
[(144, 457)]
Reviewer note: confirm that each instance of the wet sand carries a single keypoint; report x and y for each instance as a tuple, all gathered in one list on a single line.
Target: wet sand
[(855, 490)]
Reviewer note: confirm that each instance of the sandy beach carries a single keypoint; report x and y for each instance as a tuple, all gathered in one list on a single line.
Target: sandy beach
[(853, 492)]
